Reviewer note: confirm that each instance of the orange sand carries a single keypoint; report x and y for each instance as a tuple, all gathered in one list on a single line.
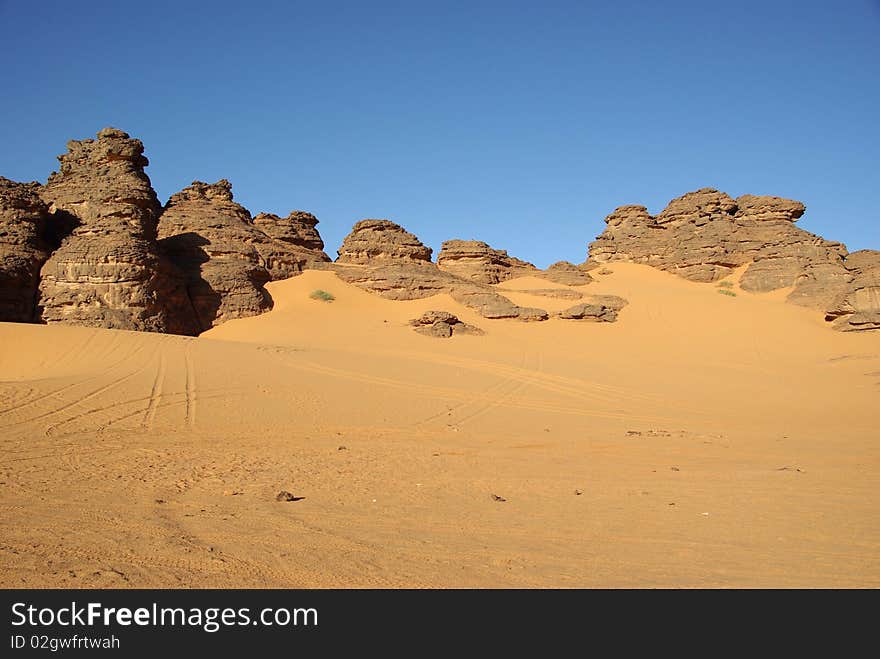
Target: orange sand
[(714, 441)]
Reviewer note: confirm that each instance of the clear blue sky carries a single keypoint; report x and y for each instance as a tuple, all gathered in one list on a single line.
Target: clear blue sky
[(519, 123)]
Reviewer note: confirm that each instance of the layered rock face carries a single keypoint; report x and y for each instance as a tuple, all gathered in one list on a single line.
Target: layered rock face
[(704, 235), (227, 257), (297, 230), (858, 307), (107, 271), (212, 240), (23, 249), (477, 261), (383, 258), (374, 241)]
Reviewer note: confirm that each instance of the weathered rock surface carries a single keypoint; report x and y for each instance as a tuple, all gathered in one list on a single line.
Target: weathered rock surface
[(858, 307), (227, 257), (107, 271), (297, 230), (705, 235), (23, 249), (568, 274), (442, 324), (598, 308), (374, 241), (212, 241), (401, 270), (477, 261), (558, 293)]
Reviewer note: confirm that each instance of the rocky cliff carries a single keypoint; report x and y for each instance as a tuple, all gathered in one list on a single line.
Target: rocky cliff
[(24, 220), (108, 272)]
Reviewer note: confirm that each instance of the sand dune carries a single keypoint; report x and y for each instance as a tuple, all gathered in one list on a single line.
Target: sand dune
[(702, 440)]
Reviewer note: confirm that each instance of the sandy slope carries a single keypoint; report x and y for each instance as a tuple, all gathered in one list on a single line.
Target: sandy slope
[(714, 441)]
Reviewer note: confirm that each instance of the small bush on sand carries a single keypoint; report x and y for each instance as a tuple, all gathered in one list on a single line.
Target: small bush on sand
[(724, 291), (725, 284), (324, 296)]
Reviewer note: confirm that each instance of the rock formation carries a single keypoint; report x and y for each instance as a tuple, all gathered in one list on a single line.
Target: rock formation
[(568, 274), (212, 240), (375, 241), (383, 258), (477, 261), (227, 257), (23, 249), (599, 308), (705, 235), (442, 324), (107, 271), (297, 229), (858, 307)]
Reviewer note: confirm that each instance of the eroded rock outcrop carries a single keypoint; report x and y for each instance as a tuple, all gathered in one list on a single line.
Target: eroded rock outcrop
[(383, 258), (23, 249), (705, 235), (442, 324), (227, 257), (212, 240), (477, 261), (108, 272), (298, 230), (566, 273), (858, 307), (598, 308), (375, 241)]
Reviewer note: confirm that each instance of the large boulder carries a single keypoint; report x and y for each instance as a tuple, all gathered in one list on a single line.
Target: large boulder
[(442, 325), (598, 308), (23, 249), (705, 235), (108, 272), (374, 241), (477, 261), (566, 273)]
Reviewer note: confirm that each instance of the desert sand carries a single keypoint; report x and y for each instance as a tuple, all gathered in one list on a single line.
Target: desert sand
[(703, 440)]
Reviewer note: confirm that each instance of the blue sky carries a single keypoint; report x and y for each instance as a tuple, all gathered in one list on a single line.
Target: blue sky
[(519, 123)]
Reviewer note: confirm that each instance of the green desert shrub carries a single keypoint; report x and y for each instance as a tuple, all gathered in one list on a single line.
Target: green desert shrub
[(724, 291), (322, 295), (725, 284)]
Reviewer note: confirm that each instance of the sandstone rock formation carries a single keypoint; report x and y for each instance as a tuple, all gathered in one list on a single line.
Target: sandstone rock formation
[(477, 261), (385, 259), (23, 249), (599, 308), (705, 235), (227, 257), (374, 241), (858, 307), (107, 272), (558, 293), (442, 324), (296, 231), (212, 240), (569, 274)]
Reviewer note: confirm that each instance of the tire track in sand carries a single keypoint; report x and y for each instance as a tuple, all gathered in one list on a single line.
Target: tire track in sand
[(155, 394)]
